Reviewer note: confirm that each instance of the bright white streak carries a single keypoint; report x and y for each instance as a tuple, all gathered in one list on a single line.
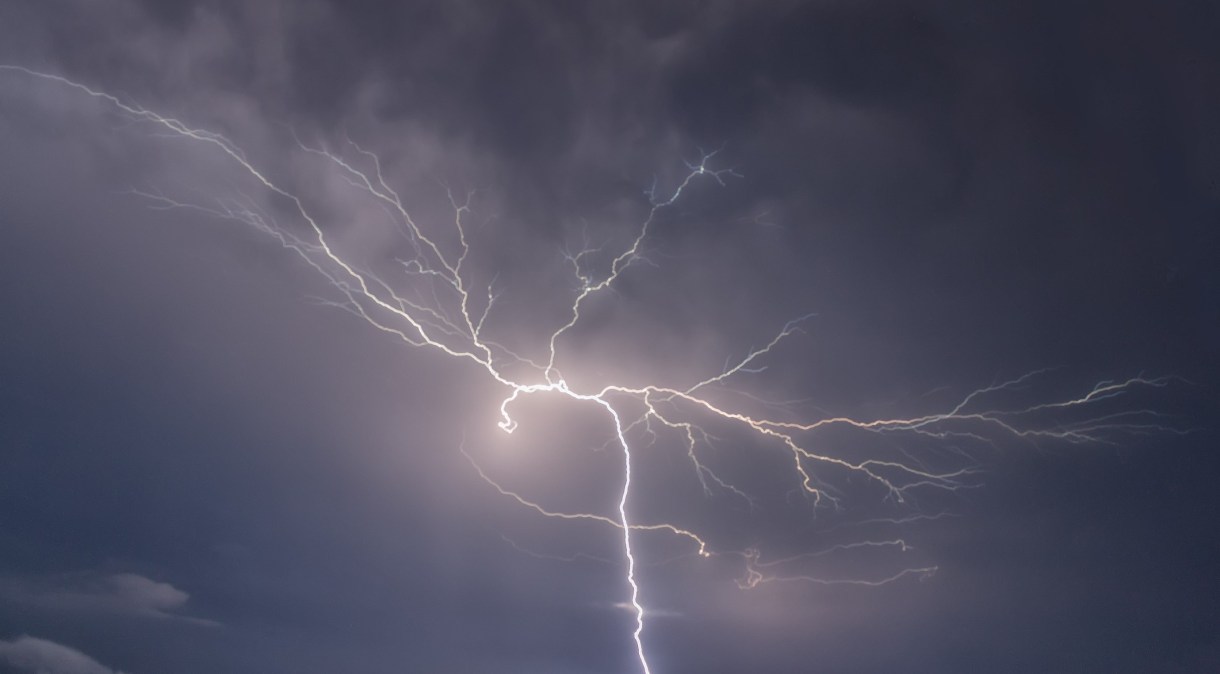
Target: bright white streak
[(637, 635)]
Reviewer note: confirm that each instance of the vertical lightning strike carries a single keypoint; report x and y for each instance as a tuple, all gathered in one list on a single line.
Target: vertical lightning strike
[(437, 308), (637, 635)]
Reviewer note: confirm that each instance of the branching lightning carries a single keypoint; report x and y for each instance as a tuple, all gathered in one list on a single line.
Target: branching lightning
[(435, 304)]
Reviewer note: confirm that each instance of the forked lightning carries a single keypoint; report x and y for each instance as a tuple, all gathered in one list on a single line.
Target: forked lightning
[(434, 304)]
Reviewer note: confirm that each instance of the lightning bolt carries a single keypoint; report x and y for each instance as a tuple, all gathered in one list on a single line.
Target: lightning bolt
[(440, 308)]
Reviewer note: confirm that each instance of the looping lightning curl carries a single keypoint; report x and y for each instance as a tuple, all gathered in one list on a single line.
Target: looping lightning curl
[(434, 305)]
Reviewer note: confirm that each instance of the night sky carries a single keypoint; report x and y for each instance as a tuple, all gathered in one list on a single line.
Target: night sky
[(210, 464)]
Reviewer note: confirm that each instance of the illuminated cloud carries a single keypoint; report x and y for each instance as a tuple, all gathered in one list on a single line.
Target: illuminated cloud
[(653, 196), (38, 656), (122, 594)]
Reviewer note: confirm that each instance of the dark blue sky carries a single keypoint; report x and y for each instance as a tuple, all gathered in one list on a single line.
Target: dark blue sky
[(206, 466)]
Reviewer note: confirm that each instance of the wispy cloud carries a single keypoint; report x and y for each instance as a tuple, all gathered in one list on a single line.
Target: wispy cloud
[(121, 593), (31, 654), (651, 612)]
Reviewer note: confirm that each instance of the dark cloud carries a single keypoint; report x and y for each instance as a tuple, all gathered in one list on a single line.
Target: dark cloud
[(961, 192)]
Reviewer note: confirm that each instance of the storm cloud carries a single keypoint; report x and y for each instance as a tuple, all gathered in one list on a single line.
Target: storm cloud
[(206, 464)]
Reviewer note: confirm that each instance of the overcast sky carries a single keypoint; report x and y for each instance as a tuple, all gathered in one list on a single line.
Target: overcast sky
[(208, 465)]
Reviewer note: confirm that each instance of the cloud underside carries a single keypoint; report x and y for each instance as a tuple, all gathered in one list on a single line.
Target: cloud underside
[(39, 656)]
